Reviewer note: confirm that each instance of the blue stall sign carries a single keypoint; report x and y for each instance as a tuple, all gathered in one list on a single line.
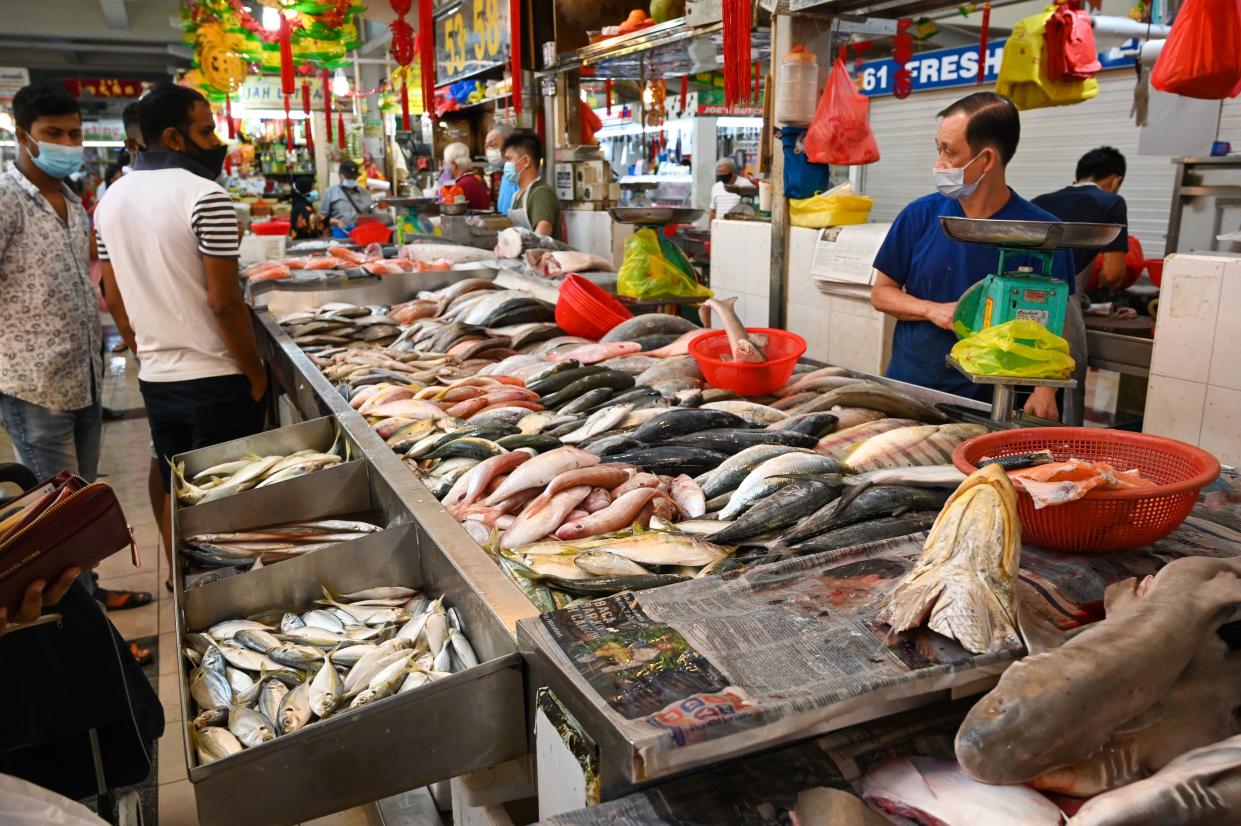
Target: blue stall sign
[(944, 68)]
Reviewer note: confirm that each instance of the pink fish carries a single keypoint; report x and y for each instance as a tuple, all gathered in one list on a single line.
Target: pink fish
[(638, 480), (927, 790), (680, 347), (598, 500), (541, 470), (466, 409), (597, 476), (518, 501), (592, 353), (541, 518), (365, 393), (416, 409), (394, 393), (744, 348), (459, 394), (528, 405), (388, 427), (688, 496), (479, 532), (471, 485), (620, 514)]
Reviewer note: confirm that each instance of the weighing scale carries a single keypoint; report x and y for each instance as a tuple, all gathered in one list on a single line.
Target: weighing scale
[(656, 218), (1017, 291)]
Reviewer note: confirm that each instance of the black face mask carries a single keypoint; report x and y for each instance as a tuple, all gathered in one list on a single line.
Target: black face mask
[(726, 178), (211, 160)]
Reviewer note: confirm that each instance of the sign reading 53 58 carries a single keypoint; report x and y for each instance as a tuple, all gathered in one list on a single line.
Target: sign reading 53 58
[(470, 38)]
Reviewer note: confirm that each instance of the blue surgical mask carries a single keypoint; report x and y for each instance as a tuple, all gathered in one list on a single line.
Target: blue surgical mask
[(951, 182), (312, 195), (510, 172), (348, 184), (58, 160)]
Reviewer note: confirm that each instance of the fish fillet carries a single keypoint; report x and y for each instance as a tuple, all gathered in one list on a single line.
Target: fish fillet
[(937, 793)]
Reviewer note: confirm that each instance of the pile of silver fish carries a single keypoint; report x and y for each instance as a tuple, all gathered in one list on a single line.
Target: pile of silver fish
[(530, 437), (339, 324), (253, 471), (262, 546), (253, 680)]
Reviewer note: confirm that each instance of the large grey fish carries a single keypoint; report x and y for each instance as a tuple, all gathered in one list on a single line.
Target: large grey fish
[(249, 726), (734, 469), (649, 324), (872, 530), (210, 689), (671, 459), (781, 509), (271, 694), (883, 398), (862, 503), (911, 446), (326, 689), (678, 367), (295, 710), (680, 421), (601, 422), (773, 474), (811, 424), (214, 743)]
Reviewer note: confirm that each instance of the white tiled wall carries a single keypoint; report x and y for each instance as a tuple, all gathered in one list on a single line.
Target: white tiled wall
[(741, 267), (1194, 392)]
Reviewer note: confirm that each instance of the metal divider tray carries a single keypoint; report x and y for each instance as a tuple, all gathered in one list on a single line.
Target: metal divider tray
[(357, 756), (469, 721)]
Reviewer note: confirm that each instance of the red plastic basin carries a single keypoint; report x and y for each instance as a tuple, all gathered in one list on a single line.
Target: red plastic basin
[(370, 232), (783, 350), (270, 228), (586, 309)]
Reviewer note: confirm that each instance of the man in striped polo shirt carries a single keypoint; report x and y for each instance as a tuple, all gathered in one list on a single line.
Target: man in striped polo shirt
[(168, 241)]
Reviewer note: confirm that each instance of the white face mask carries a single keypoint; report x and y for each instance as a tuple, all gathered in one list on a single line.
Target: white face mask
[(494, 156), (951, 182)]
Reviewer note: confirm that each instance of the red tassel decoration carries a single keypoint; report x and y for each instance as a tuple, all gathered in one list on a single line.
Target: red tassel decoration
[(684, 92), (758, 73), (288, 126), (228, 116), (310, 137), (327, 104), (405, 104), (340, 131), (306, 97), (607, 93), (737, 17), (426, 43), (286, 56), (514, 17), (984, 32)]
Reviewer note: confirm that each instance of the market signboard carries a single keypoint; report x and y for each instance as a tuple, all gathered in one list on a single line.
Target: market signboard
[(944, 68), (472, 38), (106, 87), (265, 92), (12, 78)]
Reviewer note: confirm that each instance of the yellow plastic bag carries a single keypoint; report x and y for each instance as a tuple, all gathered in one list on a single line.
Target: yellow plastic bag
[(1021, 348), (1023, 72), (837, 207), (652, 269)]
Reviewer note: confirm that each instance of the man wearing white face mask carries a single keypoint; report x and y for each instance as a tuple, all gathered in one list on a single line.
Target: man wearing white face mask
[(922, 273)]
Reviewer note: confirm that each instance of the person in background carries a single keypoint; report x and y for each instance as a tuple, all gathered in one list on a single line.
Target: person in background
[(304, 221), (343, 203), (722, 201), (502, 188), (535, 206), (922, 273), (1092, 198), (51, 355), (461, 170), (110, 176), (178, 304)]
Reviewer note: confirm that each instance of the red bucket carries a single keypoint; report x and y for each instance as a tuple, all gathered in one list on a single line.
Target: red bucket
[(370, 232), (783, 350), (585, 309), (1102, 520)]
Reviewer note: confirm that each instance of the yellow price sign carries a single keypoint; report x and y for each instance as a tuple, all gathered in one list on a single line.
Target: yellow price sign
[(470, 39)]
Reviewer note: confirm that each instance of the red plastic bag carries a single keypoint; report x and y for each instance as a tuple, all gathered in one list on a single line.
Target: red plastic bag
[(1202, 58), (1071, 51), (840, 134)]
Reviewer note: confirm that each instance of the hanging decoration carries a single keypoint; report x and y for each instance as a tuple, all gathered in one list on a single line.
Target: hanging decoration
[(737, 17), (286, 55), (327, 104), (984, 31), (402, 49), (902, 53), (684, 93), (514, 40), (426, 49), (340, 131), (607, 94), (228, 117), (306, 97), (288, 126), (758, 73)]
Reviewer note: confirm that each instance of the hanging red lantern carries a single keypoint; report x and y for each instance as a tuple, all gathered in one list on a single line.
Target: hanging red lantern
[(514, 40), (737, 17), (984, 32), (286, 56), (340, 131), (902, 53), (401, 7), (405, 104), (306, 97), (607, 94), (228, 116), (684, 92), (288, 126), (426, 44), (327, 104), (310, 137), (402, 45)]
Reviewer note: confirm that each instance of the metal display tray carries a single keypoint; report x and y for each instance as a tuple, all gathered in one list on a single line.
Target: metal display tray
[(1035, 235), (331, 765)]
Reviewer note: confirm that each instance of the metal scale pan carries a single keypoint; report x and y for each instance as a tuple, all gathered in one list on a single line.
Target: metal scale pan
[(655, 216), (1034, 235)]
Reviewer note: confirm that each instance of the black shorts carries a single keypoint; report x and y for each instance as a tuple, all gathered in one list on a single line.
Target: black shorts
[(187, 415)]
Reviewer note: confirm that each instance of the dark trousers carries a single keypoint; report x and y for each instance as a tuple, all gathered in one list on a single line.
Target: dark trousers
[(187, 415)]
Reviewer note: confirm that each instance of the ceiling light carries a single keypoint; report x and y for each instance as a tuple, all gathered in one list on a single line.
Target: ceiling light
[(271, 19), (340, 84)]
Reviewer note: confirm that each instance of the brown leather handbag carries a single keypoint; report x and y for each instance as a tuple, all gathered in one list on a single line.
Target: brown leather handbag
[(64, 522)]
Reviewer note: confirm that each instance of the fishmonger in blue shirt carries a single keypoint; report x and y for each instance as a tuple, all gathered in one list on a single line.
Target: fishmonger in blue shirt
[(922, 273)]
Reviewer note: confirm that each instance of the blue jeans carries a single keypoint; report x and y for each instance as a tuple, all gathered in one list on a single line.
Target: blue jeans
[(48, 441)]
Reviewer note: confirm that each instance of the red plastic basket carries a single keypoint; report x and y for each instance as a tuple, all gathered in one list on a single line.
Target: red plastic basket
[(1107, 520), (370, 232), (1154, 268), (783, 350), (585, 309)]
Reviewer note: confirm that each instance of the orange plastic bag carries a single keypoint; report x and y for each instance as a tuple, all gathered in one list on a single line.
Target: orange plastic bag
[(1202, 58), (840, 134)]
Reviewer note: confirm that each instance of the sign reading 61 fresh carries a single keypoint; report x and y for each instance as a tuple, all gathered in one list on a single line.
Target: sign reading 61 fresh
[(471, 38)]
